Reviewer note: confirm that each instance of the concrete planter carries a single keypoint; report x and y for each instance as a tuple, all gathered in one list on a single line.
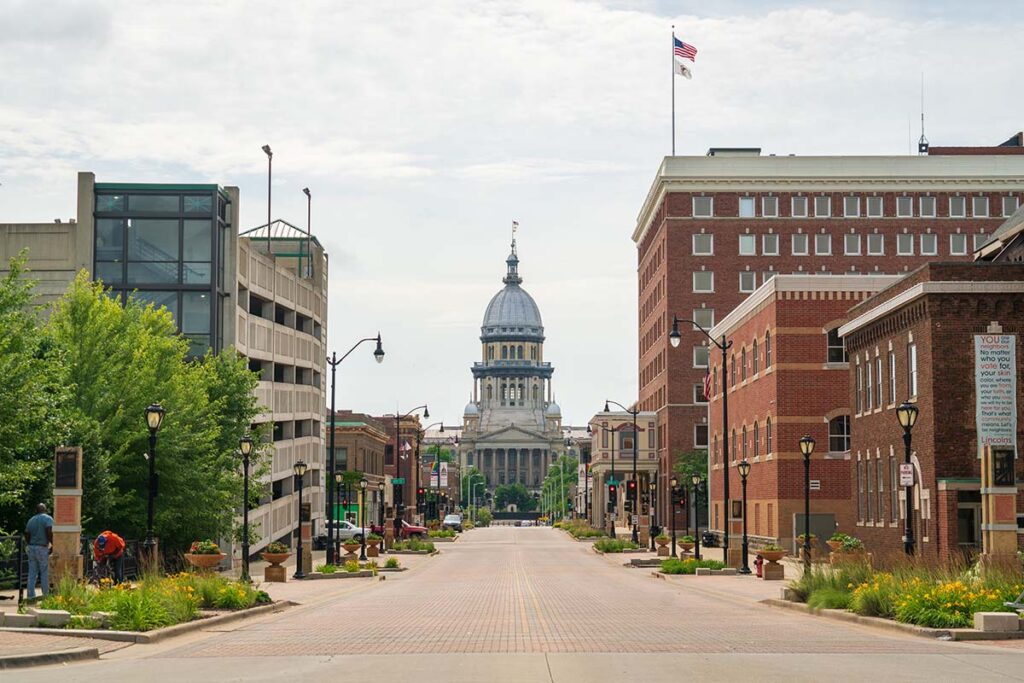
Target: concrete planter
[(205, 562)]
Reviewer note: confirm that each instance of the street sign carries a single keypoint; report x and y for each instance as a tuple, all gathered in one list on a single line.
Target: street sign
[(636, 520), (906, 474), (398, 480)]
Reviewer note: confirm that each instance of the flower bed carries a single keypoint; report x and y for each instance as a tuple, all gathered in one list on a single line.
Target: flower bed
[(578, 529), (441, 533), (413, 545), (614, 545), (689, 566)]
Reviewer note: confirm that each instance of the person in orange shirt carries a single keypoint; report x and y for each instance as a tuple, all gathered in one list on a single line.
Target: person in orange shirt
[(109, 548)]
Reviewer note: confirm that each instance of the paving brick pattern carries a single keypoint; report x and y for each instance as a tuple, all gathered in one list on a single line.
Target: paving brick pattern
[(13, 643), (529, 590)]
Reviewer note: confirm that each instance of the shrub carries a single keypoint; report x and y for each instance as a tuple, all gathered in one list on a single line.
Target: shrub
[(686, 539), (206, 547), (688, 566), (392, 563), (614, 545), (829, 598), (236, 595), (441, 533), (71, 595), (876, 597), (773, 547), (483, 517), (414, 544), (374, 537), (352, 566), (467, 525), (276, 547), (325, 568), (662, 537), (372, 566)]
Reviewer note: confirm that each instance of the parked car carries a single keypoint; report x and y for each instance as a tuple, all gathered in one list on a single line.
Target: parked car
[(347, 531), (453, 522), (408, 530)]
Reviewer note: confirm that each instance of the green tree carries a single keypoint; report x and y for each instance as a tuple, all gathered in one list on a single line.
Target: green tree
[(560, 479), (472, 477), (514, 494), (685, 465)]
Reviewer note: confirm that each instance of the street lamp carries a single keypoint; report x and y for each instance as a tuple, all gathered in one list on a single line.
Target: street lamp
[(652, 491), (807, 448), (636, 484), (334, 362), (674, 492), (380, 500), (362, 519), (437, 464), (724, 345), (400, 504), (611, 522), (907, 415), (299, 468), (695, 479), (270, 168), (744, 468), (334, 541), (245, 448), (154, 418)]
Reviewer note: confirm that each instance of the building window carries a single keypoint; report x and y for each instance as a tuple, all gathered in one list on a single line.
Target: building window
[(912, 369), (980, 240), (957, 207), (979, 207), (878, 378), (851, 207), (700, 436), (876, 244), (822, 207), (767, 436), (769, 207), (770, 244), (743, 435), (1010, 205), (748, 245), (748, 281), (703, 244), (894, 490), (869, 392), (705, 317), (839, 434), (504, 353), (703, 281), (698, 393), (767, 275), (604, 435), (700, 356), (757, 440), (892, 378), (798, 207), (746, 207), (859, 393), (767, 350), (823, 244), (743, 364), (755, 359), (798, 244), (927, 208), (732, 446), (958, 244), (880, 475), (870, 476), (904, 207), (851, 244), (860, 491), (703, 207), (874, 207), (836, 347), (905, 244), (929, 244), (771, 519), (732, 368)]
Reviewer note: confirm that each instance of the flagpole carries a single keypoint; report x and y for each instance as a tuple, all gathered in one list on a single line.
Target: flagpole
[(672, 63)]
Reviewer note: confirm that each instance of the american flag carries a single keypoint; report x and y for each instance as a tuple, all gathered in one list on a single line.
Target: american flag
[(684, 50), (707, 386)]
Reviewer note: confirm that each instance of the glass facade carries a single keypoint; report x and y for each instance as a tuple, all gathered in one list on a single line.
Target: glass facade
[(162, 245)]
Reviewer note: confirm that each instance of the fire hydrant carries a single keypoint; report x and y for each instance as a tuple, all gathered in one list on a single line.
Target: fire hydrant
[(758, 563)]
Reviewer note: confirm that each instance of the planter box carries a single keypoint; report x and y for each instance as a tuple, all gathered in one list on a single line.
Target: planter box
[(707, 571), (361, 574), (451, 539), (205, 561)]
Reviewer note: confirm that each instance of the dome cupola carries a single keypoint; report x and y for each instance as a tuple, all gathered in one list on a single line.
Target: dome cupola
[(512, 313)]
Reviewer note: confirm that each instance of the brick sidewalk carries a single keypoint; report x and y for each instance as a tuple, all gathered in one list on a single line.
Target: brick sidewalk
[(31, 643)]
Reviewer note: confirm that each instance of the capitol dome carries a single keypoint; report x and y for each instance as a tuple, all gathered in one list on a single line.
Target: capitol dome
[(512, 312)]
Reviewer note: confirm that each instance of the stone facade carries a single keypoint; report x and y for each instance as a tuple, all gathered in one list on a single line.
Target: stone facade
[(612, 446)]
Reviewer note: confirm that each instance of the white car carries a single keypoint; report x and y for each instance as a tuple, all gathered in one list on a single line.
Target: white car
[(345, 531)]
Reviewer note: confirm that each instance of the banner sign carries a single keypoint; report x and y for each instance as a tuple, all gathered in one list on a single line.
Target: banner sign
[(995, 390), (444, 475)]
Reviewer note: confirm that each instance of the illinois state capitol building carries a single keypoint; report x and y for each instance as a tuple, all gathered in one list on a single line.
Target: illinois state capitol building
[(512, 428)]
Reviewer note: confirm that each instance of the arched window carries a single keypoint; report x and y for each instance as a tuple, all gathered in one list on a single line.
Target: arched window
[(490, 393), (504, 352), (533, 353), (519, 352), (732, 369), (767, 350), (768, 436), (535, 390), (732, 446), (743, 364), (744, 436), (839, 434), (522, 393), (490, 353), (757, 440), (756, 360)]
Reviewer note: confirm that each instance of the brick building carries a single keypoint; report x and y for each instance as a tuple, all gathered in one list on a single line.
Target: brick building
[(612, 447), (401, 455), (714, 228), (359, 442), (787, 377), (915, 341)]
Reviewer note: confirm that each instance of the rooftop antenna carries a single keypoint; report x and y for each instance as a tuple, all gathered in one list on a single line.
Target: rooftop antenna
[(922, 143)]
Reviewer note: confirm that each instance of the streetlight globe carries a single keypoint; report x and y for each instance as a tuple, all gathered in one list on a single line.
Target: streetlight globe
[(338, 477), (154, 416), (378, 354), (807, 444), (674, 482), (907, 415), (299, 468), (674, 337), (744, 468), (363, 483), (245, 445), (695, 479), (380, 486)]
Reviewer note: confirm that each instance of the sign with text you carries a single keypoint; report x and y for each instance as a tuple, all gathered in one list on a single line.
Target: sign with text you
[(995, 390)]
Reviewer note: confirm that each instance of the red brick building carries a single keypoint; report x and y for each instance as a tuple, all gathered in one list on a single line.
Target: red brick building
[(401, 454), (915, 341), (712, 229), (787, 377)]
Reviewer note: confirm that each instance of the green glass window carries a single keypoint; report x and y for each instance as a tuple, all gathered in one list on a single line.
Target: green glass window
[(110, 273), (195, 313), (202, 205), (196, 273), (110, 239), (162, 203), (152, 239), (152, 272), (168, 300), (197, 240), (110, 202)]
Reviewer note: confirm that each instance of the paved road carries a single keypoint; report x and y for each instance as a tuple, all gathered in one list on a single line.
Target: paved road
[(527, 604)]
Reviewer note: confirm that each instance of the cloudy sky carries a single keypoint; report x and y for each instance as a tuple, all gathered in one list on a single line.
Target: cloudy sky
[(424, 128)]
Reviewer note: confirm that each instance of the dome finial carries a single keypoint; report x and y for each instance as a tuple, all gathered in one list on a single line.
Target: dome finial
[(512, 278)]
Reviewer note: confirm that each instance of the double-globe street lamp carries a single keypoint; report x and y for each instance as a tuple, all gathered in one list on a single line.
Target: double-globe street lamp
[(334, 362), (806, 449), (636, 485), (744, 468), (245, 449), (672, 498), (652, 487), (154, 418), (362, 518), (724, 345), (696, 480), (299, 468), (907, 415)]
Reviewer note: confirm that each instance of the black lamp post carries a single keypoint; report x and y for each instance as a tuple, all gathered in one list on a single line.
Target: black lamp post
[(245, 448), (334, 362), (907, 415), (299, 468), (636, 484), (807, 448), (380, 501), (154, 418), (652, 488), (437, 464), (612, 479), (400, 505), (673, 495), (362, 519), (695, 479), (744, 468), (334, 542), (724, 345)]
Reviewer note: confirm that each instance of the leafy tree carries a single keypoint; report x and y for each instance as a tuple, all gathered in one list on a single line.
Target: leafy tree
[(442, 454), (472, 477), (514, 494), (685, 465), (560, 479)]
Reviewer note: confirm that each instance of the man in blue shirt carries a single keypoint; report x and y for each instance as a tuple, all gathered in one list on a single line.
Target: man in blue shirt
[(39, 536)]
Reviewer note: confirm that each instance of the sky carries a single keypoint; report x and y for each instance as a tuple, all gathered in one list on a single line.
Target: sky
[(423, 129)]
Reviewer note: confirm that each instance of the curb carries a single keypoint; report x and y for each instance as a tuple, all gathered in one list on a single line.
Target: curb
[(318, 576), (876, 622), (44, 658)]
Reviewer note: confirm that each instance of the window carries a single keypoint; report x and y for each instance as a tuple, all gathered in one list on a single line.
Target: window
[(757, 440), (859, 398), (767, 350), (839, 434), (743, 364), (904, 207), (874, 207), (698, 393), (881, 489), (912, 369), (869, 393), (878, 380), (703, 207), (957, 207), (153, 203), (860, 491), (798, 207), (700, 356), (748, 245), (705, 317), (746, 207), (892, 378), (905, 244), (851, 244), (767, 275), (980, 240), (748, 281), (799, 244), (851, 207), (822, 207), (958, 244), (769, 207), (823, 244), (767, 436), (979, 207), (876, 244), (732, 446), (927, 207), (703, 281), (836, 348), (732, 368), (894, 489), (770, 245), (743, 435), (870, 476), (700, 436), (1010, 205), (929, 244), (755, 358), (703, 244)]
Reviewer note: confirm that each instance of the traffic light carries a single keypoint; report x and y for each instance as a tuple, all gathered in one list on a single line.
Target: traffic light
[(628, 507), (613, 494), (678, 497), (421, 499), (631, 490)]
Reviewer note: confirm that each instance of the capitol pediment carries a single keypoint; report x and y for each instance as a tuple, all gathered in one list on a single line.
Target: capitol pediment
[(509, 433)]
